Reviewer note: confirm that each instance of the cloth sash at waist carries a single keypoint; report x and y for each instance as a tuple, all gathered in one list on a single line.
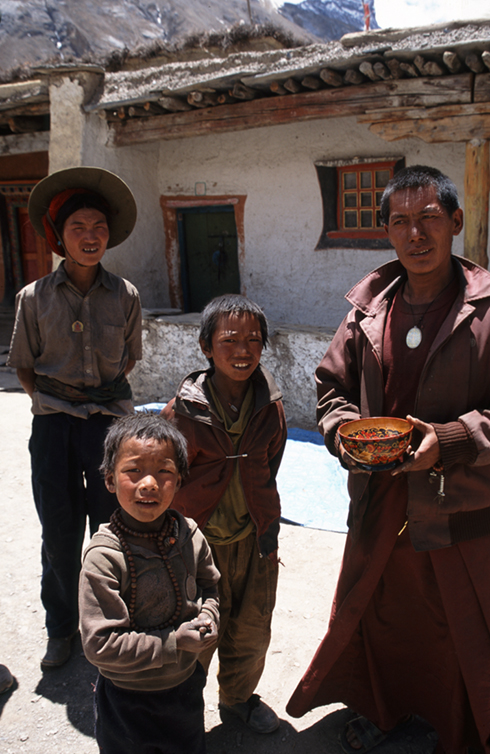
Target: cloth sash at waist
[(117, 390)]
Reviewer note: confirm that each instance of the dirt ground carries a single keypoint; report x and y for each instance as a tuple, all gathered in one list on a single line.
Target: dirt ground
[(52, 712)]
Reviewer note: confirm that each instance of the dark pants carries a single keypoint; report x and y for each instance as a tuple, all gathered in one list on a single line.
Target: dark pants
[(151, 722), (66, 453)]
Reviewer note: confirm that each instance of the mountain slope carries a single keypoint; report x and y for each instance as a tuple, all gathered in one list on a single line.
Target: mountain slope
[(329, 19), (33, 32)]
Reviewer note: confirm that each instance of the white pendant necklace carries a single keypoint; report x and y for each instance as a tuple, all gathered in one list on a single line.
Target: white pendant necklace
[(414, 336)]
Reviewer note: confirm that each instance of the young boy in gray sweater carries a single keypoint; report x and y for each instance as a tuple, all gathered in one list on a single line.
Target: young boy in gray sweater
[(148, 598)]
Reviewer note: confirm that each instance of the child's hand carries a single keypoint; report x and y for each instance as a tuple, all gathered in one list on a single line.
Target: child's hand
[(197, 635)]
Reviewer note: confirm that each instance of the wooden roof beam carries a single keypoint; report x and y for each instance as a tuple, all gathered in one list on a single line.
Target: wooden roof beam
[(382, 71), (277, 88), (202, 99), (395, 68), (332, 78), (225, 99), (460, 127), (323, 103), (409, 69), (354, 77), (451, 61), (400, 114), (240, 91), (38, 108), (152, 108), (474, 63), (366, 68), (311, 82), (293, 86), (428, 67), (136, 111), (110, 116), (174, 104)]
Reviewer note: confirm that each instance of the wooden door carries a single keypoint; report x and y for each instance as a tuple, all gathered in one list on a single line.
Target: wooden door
[(36, 259), (25, 256), (209, 257)]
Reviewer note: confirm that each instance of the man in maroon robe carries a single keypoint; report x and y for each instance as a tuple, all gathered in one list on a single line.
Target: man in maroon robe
[(410, 626)]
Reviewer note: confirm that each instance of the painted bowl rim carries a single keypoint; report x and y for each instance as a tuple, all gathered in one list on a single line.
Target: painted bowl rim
[(373, 440)]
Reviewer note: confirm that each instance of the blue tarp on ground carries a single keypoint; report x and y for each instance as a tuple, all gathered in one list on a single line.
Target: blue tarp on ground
[(311, 482)]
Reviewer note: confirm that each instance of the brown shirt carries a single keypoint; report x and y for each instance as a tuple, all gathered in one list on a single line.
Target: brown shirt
[(43, 338)]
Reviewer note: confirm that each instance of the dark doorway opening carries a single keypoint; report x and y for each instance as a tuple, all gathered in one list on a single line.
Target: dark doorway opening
[(208, 254)]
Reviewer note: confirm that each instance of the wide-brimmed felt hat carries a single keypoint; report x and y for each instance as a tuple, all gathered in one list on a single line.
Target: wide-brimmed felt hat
[(98, 180)]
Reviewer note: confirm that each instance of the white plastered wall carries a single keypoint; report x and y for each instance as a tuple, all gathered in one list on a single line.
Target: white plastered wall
[(275, 168), (140, 259), (78, 138)]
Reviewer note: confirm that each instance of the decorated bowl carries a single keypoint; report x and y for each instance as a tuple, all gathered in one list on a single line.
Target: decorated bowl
[(377, 443)]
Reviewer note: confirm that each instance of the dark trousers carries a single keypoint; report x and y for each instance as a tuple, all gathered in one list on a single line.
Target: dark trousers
[(66, 452), (151, 722)]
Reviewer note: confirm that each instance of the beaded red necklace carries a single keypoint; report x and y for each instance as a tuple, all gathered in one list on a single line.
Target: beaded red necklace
[(164, 538)]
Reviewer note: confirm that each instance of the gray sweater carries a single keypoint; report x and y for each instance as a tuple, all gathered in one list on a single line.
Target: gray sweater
[(141, 660)]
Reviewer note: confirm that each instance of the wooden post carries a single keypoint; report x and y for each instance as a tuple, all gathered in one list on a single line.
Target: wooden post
[(476, 188), (249, 11)]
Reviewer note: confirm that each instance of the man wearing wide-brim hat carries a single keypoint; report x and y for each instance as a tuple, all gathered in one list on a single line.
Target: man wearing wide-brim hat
[(77, 335)]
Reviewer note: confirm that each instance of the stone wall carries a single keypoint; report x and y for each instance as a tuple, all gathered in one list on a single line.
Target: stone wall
[(171, 350)]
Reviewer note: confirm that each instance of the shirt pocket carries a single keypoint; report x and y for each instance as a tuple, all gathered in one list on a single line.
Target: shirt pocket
[(113, 344)]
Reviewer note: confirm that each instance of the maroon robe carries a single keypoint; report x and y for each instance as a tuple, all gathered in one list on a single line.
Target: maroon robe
[(409, 631)]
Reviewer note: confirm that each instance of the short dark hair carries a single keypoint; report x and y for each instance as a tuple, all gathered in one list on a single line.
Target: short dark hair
[(85, 200), (230, 303), (417, 176), (143, 425)]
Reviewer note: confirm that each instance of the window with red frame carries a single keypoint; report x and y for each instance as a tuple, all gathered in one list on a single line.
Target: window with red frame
[(351, 200), (360, 190)]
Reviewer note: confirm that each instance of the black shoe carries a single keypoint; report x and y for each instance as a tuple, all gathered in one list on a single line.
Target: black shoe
[(58, 652), (6, 679), (255, 713)]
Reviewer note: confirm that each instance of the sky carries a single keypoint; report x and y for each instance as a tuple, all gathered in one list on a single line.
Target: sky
[(421, 12), (402, 13)]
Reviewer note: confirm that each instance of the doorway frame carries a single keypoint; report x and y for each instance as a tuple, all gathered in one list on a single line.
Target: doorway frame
[(170, 206)]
